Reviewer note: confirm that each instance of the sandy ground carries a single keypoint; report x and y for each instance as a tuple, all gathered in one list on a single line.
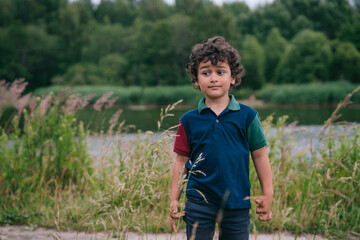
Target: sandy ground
[(25, 233)]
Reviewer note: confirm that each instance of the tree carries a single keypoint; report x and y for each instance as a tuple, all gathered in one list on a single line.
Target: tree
[(253, 59), (350, 33), (80, 74), (113, 68), (326, 16), (152, 10), (263, 19), (236, 8), (346, 62), (115, 11), (275, 46), (73, 28), (28, 52), (306, 59), (188, 7), (106, 39), (158, 53), (211, 21), (181, 44), (7, 10)]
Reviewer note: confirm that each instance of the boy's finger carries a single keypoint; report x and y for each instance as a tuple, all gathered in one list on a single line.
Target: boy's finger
[(266, 217), (177, 215), (173, 225), (260, 210)]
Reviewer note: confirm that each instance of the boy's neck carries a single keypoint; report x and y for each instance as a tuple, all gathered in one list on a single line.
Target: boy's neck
[(217, 105)]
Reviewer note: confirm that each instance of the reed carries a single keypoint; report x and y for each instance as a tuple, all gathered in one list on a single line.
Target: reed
[(311, 93)]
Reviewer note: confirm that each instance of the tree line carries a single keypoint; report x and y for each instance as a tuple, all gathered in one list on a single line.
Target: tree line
[(147, 42)]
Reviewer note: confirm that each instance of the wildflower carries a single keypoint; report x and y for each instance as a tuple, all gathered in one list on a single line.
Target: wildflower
[(101, 101), (111, 102), (45, 104), (75, 102), (38, 99), (60, 139), (21, 103), (114, 120)]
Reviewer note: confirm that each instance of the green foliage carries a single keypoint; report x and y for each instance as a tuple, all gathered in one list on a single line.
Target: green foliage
[(221, 23), (315, 189), (306, 59), (47, 152), (263, 19), (134, 95), (118, 11), (253, 59), (275, 46), (350, 33), (346, 64), (105, 40), (314, 93)]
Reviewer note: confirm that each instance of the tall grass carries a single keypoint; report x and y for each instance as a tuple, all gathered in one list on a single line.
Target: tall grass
[(47, 178)]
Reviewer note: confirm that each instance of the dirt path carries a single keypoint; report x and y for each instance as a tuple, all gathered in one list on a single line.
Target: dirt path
[(25, 233)]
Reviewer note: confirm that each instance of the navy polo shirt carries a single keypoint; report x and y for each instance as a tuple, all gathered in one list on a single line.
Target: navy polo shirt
[(218, 148)]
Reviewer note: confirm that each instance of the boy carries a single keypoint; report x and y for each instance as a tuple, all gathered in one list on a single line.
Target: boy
[(212, 146)]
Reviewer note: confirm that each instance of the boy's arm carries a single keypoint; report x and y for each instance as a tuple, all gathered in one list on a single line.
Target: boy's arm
[(263, 169), (179, 171)]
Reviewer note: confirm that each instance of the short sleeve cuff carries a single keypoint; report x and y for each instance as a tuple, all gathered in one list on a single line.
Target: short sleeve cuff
[(181, 145), (256, 135)]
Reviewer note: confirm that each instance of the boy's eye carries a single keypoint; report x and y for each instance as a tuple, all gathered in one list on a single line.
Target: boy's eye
[(205, 73), (220, 72)]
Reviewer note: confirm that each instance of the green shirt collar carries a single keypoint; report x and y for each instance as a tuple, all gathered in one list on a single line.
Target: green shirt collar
[(233, 105)]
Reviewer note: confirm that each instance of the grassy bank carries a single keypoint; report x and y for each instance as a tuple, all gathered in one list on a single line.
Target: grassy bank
[(312, 93), (296, 94), (47, 178), (159, 95)]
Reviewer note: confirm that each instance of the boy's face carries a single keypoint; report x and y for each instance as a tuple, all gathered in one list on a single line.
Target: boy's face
[(214, 81)]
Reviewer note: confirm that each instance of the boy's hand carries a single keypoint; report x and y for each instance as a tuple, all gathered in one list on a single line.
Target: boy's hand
[(174, 214), (263, 208)]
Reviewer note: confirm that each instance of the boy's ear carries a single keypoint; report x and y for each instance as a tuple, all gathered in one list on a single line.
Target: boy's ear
[(233, 80)]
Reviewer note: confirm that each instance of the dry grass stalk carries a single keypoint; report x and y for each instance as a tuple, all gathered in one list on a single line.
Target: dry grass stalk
[(102, 101), (335, 114), (10, 93)]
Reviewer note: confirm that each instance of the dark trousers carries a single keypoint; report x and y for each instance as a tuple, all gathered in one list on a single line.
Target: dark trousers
[(201, 217)]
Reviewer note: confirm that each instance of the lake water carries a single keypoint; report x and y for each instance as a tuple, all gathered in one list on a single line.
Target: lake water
[(306, 137), (309, 123)]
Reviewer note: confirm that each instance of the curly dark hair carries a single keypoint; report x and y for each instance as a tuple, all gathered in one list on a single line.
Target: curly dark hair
[(216, 49)]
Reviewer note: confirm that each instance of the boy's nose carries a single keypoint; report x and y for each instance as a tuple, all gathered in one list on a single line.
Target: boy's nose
[(213, 78)]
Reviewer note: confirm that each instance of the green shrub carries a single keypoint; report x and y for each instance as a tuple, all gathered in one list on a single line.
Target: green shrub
[(133, 95), (313, 93)]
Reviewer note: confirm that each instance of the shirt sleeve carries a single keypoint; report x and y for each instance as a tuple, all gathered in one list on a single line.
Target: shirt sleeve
[(181, 145), (256, 135)]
